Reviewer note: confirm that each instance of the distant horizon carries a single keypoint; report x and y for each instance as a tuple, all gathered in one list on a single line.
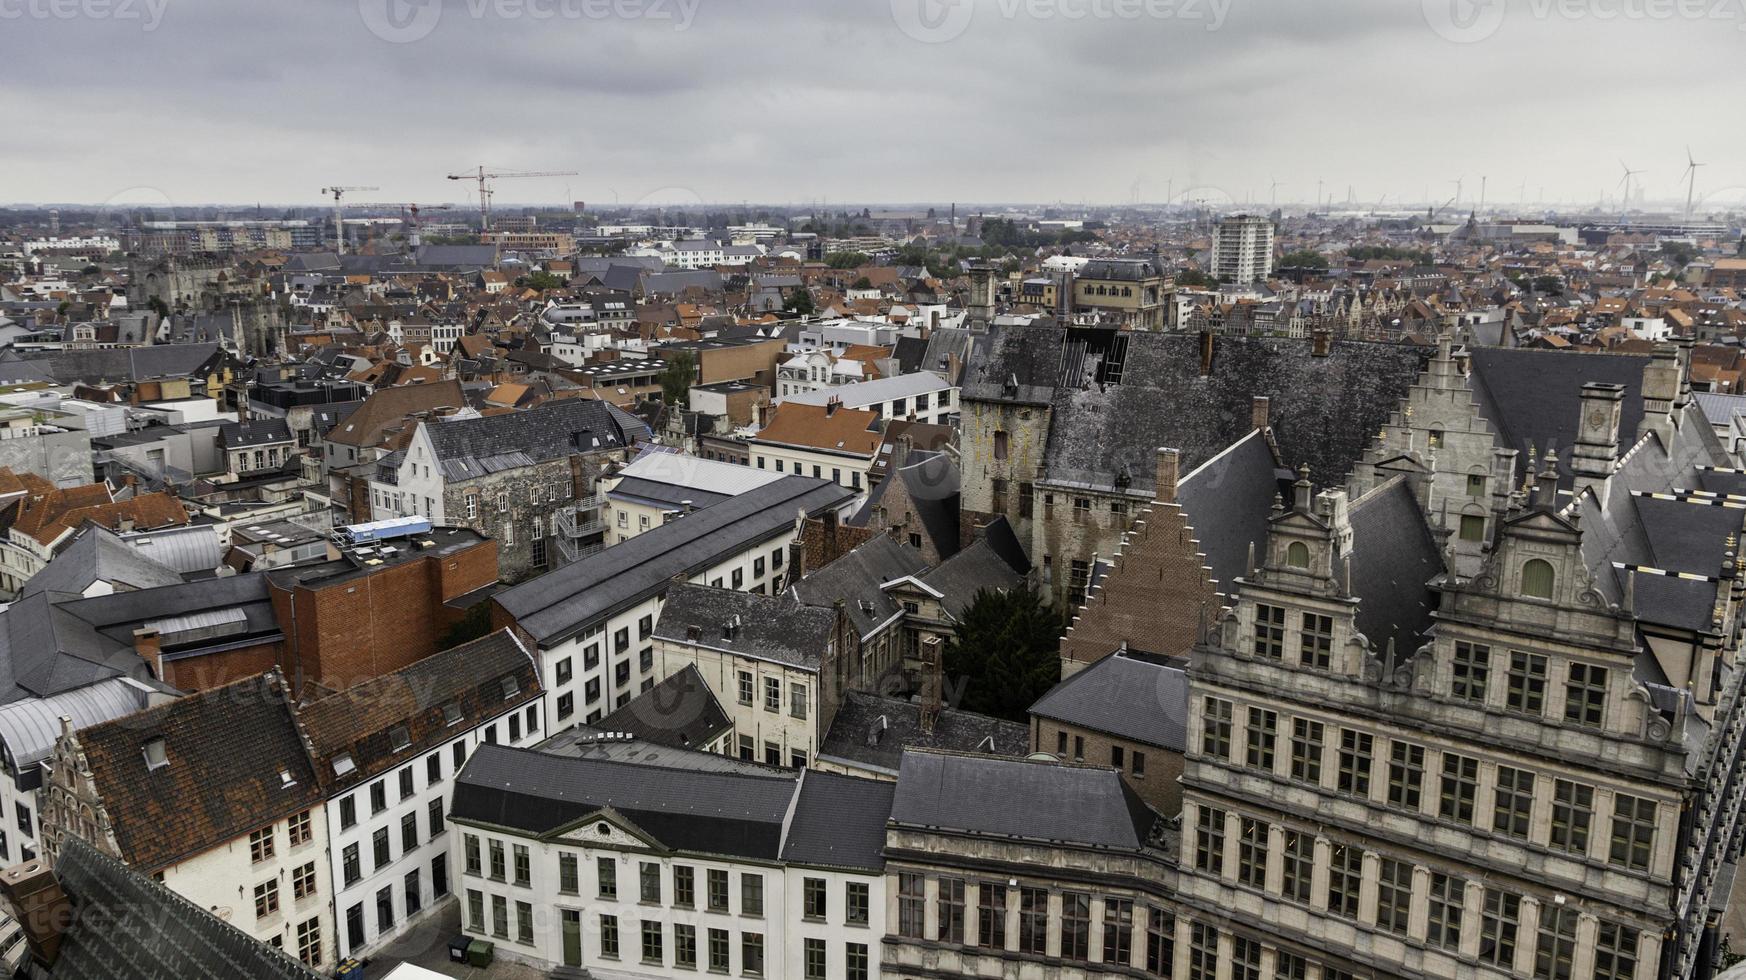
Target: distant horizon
[(669, 101)]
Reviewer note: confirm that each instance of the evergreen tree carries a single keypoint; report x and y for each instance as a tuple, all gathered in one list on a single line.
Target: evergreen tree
[(1006, 649)]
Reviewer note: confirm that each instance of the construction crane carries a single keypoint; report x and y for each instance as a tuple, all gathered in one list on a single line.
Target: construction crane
[(339, 228), (484, 177), (412, 240)]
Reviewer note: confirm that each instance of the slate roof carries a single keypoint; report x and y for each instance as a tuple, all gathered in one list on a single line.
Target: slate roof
[(680, 711), (1393, 559), (872, 732), (1227, 500), (1324, 410), (961, 577), (472, 447), (126, 926), (728, 814), (773, 628), (254, 432), (1132, 696), (114, 364), (856, 578), (931, 480), (1533, 398), (839, 822), (1085, 806), (97, 555), (562, 602), (226, 749)]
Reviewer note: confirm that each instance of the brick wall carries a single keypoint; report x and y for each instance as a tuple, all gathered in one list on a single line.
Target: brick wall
[(362, 626), (1158, 785), (219, 669), (1152, 599)]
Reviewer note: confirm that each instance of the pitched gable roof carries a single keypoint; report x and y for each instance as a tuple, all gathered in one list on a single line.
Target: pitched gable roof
[(229, 751)]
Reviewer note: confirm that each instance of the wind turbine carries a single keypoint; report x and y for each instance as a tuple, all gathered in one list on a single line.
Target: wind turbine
[(1626, 184), (1273, 193), (1457, 182), (1691, 166)]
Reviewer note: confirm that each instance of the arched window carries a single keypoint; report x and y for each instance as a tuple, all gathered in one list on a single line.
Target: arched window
[(1537, 578), (1436, 438), (1297, 555)]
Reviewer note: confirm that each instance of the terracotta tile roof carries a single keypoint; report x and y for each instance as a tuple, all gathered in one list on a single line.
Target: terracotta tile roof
[(360, 721), (50, 516), (823, 427), (388, 407), (229, 752)]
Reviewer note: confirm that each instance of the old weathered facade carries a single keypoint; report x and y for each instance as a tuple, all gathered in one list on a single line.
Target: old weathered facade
[(1523, 767)]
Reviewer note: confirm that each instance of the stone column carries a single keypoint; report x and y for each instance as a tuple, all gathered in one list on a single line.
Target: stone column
[(1527, 935), (1648, 955), (1054, 927), (1275, 859), (1419, 914), (1587, 928), (1012, 918), (972, 911), (1094, 941), (1368, 887), (1233, 827), (931, 908), (1472, 916), (1324, 851)]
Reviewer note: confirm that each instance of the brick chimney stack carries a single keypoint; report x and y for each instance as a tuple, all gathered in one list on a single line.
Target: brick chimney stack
[(149, 645), (1169, 466), (1259, 417), (42, 907)]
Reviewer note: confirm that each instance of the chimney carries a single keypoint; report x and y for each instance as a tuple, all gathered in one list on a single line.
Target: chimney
[(831, 405), (899, 454), (1206, 353), (149, 645), (1169, 467), (1321, 341), (42, 908), (932, 681), (1661, 383), (1597, 436), (1258, 412)]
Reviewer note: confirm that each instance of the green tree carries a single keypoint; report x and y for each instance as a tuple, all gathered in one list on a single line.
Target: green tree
[(542, 281), (1303, 258), (799, 301), (861, 283), (847, 260), (678, 377), (1007, 651)]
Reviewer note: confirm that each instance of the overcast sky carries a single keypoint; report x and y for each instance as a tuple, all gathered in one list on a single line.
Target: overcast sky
[(794, 101)]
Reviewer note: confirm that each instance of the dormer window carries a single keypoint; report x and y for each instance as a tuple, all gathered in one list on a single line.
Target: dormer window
[(510, 687), (1537, 579), (452, 713), (399, 738), (343, 764), (156, 756), (1297, 555)]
